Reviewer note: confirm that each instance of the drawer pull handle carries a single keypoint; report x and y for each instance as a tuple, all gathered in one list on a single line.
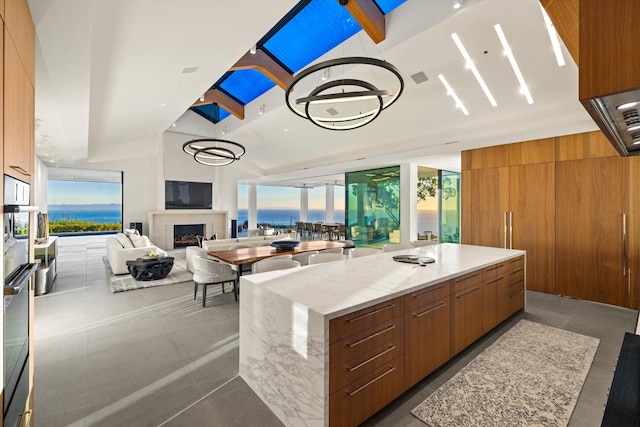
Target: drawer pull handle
[(495, 280), (517, 271), (468, 292), (359, 389), (511, 295), (467, 278), (442, 304), (386, 307), (387, 329), (360, 365), (431, 290), (495, 267), (20, 169)]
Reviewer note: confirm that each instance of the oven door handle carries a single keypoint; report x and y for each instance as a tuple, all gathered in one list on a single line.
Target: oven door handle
[(22, 279)]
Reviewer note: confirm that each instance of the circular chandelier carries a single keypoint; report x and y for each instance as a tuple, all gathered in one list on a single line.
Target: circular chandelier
[(213, 151), (346, 103)]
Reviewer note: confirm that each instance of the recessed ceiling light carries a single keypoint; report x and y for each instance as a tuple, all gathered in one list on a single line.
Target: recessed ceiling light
[(473, 69), (456, 5), (452, 94), (163, 105), (173, 125), (514, 65)]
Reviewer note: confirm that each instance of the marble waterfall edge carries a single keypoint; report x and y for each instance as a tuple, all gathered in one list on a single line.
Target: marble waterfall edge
[(282, 358)]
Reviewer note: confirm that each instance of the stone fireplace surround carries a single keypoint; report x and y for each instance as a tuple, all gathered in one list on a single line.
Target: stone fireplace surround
[(161, 224)]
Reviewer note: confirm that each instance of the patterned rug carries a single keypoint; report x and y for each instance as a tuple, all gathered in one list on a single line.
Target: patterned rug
[(178, 274), (531, 376)]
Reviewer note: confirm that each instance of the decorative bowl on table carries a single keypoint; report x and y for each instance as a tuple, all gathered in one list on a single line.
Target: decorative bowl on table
[(285, 245)]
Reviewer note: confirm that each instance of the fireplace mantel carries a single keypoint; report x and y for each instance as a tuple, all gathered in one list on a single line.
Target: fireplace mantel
[(161, 224)]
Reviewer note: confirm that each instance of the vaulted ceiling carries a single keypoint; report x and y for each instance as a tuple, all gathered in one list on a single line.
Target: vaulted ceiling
[(113, 72)]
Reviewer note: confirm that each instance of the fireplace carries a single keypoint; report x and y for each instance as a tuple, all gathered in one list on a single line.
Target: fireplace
[(186, 235)]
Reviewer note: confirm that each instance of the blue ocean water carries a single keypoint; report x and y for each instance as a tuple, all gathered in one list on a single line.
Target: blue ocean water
[(90, 213)]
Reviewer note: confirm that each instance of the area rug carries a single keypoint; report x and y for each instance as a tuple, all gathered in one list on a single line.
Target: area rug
[(178, 274), (531, 376)]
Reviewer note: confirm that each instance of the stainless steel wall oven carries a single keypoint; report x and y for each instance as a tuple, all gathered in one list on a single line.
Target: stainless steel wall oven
[(17, 274)]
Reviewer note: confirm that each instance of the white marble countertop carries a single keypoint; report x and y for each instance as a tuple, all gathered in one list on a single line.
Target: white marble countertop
[(340, 287)]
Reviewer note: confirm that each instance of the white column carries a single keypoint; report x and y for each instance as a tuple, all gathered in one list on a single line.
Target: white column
[(329, 204), (253, 206), (408, 202), (304, 204)]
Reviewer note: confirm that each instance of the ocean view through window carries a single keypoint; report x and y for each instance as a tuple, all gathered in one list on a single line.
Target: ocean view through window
[(84, 207)]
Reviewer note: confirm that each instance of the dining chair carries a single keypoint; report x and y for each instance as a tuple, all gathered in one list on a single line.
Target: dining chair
[(333, 251), (358, 252), (342, 231), (303, 257), (210, 272), (326, 257), (271, 264), (392, 247), (318, 231), (299, 229), (308, 230)]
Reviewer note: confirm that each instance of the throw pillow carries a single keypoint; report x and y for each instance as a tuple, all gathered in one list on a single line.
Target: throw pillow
[(124, 241), (129, 231), (140, 241)]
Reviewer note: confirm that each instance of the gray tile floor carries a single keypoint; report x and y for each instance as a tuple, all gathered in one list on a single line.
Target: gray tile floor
[(155, 357)]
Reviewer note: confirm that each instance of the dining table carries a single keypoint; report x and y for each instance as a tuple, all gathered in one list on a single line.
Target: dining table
[(243, 256), (332, 229)]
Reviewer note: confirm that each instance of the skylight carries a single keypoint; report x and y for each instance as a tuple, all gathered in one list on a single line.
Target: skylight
[(308, 31)]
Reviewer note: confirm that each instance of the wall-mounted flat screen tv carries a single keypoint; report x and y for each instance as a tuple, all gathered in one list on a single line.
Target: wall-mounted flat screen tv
[(187, 195)]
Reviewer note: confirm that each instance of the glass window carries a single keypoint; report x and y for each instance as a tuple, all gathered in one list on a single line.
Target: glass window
[(84, 207), (338, 203), (243, 209), (427, 219), (278, 207), (373, 206), (317, 204), (449, 207)]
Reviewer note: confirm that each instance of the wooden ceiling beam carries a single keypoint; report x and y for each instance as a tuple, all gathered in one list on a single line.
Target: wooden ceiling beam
[(214, 96), (264, 63), (369, 16)]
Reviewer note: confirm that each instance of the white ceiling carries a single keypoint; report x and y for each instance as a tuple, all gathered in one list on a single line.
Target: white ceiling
[(106, 67)]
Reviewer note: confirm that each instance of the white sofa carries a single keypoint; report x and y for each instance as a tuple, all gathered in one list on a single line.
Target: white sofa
[(224, 244), (122, 248)]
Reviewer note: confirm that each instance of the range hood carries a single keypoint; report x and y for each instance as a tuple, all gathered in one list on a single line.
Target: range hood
[(609, 69), (618, 118)]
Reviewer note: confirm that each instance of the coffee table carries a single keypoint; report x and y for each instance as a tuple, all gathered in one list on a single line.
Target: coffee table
[(150, 268)]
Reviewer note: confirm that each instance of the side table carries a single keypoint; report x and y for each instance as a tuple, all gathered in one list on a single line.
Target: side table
[(150, 268)]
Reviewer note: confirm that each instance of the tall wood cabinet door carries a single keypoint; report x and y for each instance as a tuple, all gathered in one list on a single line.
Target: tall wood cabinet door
[(533, 209), (591, 198), (18, 115), (489, 204)]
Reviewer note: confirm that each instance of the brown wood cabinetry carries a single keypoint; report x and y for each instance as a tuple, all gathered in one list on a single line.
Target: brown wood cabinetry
[(592, 199), (427, 331), (494, 296), (377, 353), (568, 200), (19, 24), (466, 311), (18, 115), (515, 286), (366, 358)]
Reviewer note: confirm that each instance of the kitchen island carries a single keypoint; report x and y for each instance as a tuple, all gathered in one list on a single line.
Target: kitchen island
[(331, 344)]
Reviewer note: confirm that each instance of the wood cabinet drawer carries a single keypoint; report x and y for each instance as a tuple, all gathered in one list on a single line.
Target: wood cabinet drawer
[(361, 320), (355, 403), (516, 264), (469, 279), (515, 287), (495, 270), (341, 352), (364, 363), (515, 276), (427, 339), (427, 295)]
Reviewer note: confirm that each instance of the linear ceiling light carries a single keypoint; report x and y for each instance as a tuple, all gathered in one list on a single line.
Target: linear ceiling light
[(452, 94), (512, 60), (553, 36), (473, 69)]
